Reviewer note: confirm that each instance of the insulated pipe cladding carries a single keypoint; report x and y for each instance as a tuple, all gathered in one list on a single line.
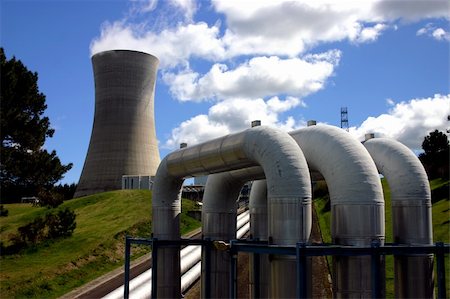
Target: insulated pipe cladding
[(356, 197), (411, 214), (219, 222), (289, 191), (259, 231), (123, 139)]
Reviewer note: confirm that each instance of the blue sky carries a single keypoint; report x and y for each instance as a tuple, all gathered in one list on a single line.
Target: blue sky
[(225, 63)]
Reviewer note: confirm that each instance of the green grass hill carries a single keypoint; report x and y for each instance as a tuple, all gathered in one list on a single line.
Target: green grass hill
[(96, 247)]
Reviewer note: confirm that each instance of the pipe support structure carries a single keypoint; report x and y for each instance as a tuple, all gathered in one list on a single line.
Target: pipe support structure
[(411, 214), (288, 180)]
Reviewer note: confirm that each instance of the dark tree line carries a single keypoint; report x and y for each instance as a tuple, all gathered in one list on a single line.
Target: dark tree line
[(26, 168), (435, 157)]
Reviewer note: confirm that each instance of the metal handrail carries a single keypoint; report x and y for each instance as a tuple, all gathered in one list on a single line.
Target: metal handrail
[(301, 251)]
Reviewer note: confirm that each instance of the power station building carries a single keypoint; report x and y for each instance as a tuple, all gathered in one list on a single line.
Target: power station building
[(123, 139)]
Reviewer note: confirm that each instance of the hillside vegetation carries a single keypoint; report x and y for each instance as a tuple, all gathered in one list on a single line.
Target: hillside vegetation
[(96, 247), (441, 225)]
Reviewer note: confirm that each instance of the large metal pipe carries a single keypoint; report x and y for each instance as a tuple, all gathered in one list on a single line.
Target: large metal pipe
[(411, 214), (193, 274), (355, 189), (123, 139), (289, 191), (218, 223), (140, 286), (356, 197), (259, 231)]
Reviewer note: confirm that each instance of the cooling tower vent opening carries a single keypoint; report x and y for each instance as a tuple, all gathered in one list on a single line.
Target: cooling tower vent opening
[(123, 52)]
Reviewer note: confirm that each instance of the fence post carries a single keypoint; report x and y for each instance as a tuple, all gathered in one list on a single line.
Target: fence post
[(154, 267), (256, 274), (440, 267), (126, 287), (233, 270), (375, 258), (301, 270), (207, 265)]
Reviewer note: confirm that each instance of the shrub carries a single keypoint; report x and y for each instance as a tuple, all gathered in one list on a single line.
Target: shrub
[(61, 224), (33, 232), (3, 212), (67, 191), (50, 198), (54, 225)]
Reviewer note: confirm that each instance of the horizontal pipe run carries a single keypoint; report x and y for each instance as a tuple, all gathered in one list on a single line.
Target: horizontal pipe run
[(331, 250)]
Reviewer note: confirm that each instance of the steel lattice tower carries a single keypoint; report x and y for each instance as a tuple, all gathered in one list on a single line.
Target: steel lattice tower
[(344, 118)]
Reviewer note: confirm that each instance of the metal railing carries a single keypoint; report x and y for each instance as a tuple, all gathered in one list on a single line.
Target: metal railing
[(155, 244), (301, 251)]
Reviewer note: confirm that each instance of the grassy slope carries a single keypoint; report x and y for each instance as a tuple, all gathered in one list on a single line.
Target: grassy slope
[(96, 247), (441, 226)]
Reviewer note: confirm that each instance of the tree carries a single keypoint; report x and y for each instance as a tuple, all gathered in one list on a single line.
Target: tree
[(436, 155), (26, 167), (67, 191)]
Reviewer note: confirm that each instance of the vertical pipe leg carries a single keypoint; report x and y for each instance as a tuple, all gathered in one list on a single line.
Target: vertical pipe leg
[(233, 271), (154, 267), (440, 267), (126, 288), (375, 259), (301, 271), (207, 263), (256, 275)]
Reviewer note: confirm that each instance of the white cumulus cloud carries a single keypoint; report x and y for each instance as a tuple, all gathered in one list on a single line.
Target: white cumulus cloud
[(258, 77), (261, 28), (434, 32), (410, 121), (370, 34), (289, 28), (172, 46), (233, 115), (188, 7), (441, 34), (143, 6)]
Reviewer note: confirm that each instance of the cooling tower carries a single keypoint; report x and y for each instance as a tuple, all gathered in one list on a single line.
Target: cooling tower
[(123, 140)]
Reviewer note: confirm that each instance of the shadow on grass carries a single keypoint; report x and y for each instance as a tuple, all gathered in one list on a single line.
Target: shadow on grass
[(440, 193)]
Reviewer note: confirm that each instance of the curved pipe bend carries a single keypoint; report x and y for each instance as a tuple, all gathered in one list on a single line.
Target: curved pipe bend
[(219, 201), (410, 189), (283, 164), (356, 195), (356, 198), (219, 223), (411, 214)]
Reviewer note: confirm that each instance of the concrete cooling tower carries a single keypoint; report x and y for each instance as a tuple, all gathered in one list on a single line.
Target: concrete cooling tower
[(123, 140)]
